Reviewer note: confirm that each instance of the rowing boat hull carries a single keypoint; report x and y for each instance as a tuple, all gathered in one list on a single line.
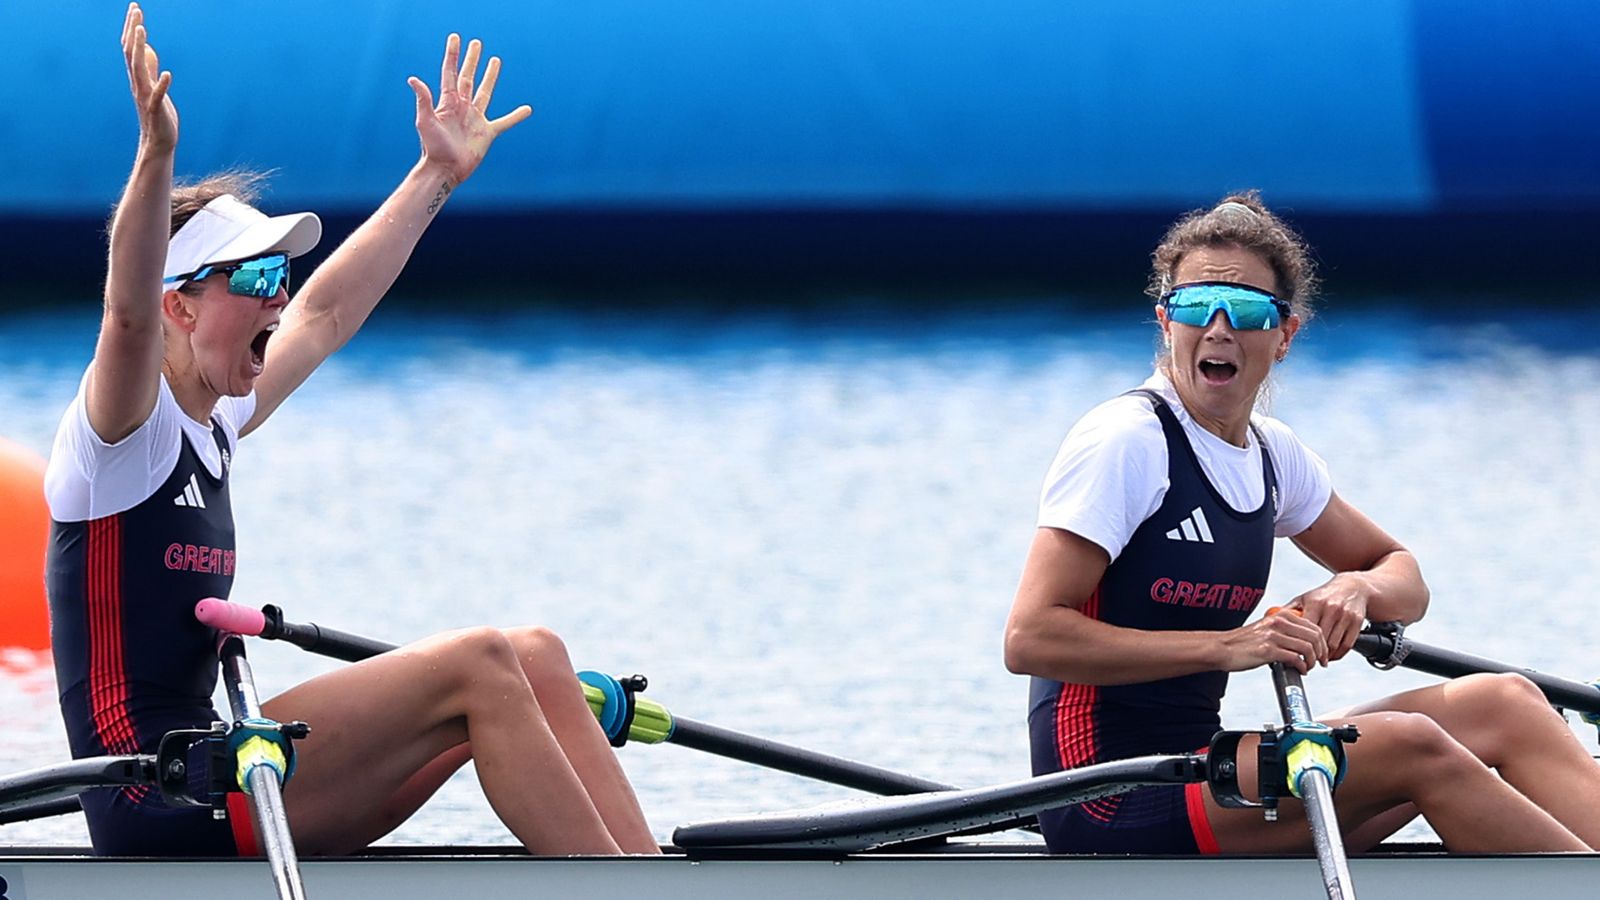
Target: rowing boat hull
[(433, 873)]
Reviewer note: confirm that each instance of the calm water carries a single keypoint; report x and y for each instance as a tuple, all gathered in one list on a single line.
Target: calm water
[(809, 527)]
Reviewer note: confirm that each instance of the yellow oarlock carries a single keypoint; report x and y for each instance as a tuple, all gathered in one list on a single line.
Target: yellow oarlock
[(259, 751), (1306, 754)]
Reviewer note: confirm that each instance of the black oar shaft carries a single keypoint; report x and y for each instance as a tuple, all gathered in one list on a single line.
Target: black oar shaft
[(1380, 648), (53, 790), (323, 641), (797, 761)]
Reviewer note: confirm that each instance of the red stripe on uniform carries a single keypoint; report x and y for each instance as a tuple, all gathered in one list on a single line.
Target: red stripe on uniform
[(1075, 706), (1204, 838), (108, 692), (1076, 732)]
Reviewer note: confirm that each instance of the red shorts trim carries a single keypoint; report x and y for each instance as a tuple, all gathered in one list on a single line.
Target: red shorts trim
[(1199, 823), (244, 829)]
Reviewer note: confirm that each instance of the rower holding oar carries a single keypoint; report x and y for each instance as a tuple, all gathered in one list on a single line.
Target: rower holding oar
[(191, 357), (1155, 537)]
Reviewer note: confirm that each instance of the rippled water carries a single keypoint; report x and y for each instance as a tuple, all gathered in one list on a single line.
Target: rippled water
[(808, 526)]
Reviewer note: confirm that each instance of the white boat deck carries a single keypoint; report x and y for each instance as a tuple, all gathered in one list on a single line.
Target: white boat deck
[(968, 871)]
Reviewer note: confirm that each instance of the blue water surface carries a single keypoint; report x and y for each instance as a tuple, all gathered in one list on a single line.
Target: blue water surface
[(808, 524)]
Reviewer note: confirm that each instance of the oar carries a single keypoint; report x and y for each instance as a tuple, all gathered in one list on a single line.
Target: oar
[(53, 790), (850, 828), (1309, 751), (262, 766), (1312, 769), (1386, 646), (652, 723)]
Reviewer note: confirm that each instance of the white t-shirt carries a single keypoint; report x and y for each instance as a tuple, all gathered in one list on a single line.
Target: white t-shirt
[(88, 478), (1111, 471)]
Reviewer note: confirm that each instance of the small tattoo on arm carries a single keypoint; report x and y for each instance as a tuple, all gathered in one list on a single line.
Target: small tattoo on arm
[(438, 199)]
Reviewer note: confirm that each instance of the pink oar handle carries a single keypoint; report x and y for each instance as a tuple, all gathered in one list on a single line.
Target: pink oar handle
[(233, 618)]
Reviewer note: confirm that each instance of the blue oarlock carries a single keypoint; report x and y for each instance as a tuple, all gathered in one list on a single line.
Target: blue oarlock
[(1311, 746), (613, 716), (261, 742)]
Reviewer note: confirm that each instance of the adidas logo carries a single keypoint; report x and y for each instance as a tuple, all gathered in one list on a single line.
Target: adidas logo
[(191, 495), (1192, 528)]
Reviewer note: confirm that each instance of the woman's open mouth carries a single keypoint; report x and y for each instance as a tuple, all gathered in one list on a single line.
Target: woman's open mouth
[(258, 348), (1217, 371)]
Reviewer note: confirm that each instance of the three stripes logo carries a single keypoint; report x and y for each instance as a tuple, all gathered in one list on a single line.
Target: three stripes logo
[(191, 494), (1192, 528)]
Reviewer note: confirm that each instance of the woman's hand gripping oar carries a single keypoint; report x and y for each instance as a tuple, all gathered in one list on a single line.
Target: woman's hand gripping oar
[(610, 699), (1313, 757)]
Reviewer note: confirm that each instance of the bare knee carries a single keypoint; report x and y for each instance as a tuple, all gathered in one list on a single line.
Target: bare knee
[(475, 659), (1413, 749), (542, 654), (1504, 693)]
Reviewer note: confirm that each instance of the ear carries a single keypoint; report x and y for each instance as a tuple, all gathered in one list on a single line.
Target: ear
[(182, 310), (1166, 325), (1287, 331)]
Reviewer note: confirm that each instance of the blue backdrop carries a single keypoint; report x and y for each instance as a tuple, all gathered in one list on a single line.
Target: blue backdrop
[(1404, 106)]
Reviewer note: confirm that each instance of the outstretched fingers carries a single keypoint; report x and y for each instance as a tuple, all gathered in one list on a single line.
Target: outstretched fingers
[(145, 78), (134, 16), (491, 74), (504, 123), (159, 92), (424, 96), (448, 72), (491, 77), (469, 68), (133, 52)]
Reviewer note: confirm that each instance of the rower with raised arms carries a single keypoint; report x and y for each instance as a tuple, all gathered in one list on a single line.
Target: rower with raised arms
[(199, 344), (1155, 536)]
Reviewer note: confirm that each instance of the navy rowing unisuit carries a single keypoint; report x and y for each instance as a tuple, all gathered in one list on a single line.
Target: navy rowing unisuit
[(1195, 564), (131, 661)]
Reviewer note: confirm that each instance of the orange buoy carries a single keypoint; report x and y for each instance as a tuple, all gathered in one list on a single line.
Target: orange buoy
[(24, 529)]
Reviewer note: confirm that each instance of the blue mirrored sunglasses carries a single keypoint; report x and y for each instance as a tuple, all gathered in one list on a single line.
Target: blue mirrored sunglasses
[(1248, 308), (261, 277)]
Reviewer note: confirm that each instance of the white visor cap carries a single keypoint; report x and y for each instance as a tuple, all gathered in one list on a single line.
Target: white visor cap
[(228, 229)]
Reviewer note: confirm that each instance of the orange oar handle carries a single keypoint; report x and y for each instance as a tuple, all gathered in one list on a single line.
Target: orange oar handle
[(1274, 610)]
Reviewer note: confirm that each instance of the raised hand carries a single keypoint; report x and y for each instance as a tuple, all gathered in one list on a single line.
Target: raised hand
[(456, 133), (158, 117)]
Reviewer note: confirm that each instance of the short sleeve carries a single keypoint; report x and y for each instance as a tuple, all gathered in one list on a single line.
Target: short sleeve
[(233, 413), (1109, 475), (1304, 485)]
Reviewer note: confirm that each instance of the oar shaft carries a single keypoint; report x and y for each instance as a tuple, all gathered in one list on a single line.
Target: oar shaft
[(324, 641), (266, 791), (797, 761), (1315, 790), (1561, 692), (1328, 840)]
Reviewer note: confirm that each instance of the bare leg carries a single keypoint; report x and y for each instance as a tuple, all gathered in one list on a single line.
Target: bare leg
[(1508, 724), (544, 660), (377, 723), (1403, 758), (405, 802)]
